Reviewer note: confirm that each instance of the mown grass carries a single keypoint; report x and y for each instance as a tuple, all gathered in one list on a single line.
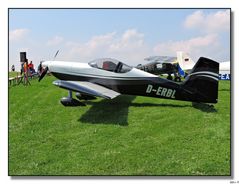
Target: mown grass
[(125, 136)]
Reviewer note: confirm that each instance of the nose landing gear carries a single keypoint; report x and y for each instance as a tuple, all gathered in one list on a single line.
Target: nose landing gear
[(69, 101)]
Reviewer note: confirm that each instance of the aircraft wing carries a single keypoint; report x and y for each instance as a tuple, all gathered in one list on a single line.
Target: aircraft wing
[(87, 88), (161, 59)]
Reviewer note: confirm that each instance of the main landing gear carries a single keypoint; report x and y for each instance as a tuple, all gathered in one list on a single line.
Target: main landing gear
[(169, 77), (177, 78), (69, 101)]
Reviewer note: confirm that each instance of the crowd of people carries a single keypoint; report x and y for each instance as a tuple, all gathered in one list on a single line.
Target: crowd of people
[(28, 68)]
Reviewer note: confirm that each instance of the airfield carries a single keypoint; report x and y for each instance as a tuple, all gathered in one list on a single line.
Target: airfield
[(125, 136)]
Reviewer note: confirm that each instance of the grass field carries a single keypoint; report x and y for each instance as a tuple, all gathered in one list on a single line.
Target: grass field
[(125, 136)]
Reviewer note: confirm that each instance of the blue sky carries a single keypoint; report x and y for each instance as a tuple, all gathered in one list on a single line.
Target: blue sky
[(126, 34)]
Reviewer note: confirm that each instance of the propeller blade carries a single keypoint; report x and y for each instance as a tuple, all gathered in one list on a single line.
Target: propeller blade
[(56, 54), (43, 74)]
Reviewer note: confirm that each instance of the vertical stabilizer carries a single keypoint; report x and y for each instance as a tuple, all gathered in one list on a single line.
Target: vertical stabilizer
[(185, 62), (203, 81)]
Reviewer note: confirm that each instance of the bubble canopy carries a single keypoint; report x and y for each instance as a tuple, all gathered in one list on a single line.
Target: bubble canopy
[(111, 65)]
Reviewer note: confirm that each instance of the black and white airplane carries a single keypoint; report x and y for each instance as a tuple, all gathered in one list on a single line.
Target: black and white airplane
[(109, 78)]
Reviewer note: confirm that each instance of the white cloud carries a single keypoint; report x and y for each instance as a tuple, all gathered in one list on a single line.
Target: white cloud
[(55, 41), (131, 39), (94, 46), (17, 34), (209, 23), (207, 46), (128, 46)]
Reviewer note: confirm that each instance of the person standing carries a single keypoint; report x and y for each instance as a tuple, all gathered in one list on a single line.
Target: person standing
[(39, 68), (13, 68)]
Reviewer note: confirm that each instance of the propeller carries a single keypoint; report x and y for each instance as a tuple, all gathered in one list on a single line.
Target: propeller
[(43, 74), (46, 68), (56, 54)]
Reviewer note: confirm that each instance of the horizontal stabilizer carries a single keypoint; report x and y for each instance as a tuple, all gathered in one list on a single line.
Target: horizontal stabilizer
[(87, 88)]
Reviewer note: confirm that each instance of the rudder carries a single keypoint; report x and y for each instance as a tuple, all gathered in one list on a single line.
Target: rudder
[(202, 81)]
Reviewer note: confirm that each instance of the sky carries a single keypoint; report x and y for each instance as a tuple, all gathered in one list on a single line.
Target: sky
[(129, 35)]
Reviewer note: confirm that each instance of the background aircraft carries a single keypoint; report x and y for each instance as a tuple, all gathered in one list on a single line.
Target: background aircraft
[(186, 64), (178, 66), (160, 65), (224, 68)]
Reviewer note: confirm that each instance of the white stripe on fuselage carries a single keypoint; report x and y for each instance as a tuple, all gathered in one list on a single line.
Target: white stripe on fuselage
[(208, 76), (204, 72)]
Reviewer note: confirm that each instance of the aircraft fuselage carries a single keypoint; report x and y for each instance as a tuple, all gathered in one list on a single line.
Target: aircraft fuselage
[(132, 81)]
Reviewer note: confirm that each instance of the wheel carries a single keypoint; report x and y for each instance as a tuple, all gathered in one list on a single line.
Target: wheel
[(67, 101), (177, 79), (170, 77)]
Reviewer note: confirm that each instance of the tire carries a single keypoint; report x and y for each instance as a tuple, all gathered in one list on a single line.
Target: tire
[(170, 77), (66, 101), (177, 79)]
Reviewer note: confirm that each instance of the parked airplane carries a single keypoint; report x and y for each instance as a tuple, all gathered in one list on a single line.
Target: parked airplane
[(178, 66), (108, 78), (160, 65)]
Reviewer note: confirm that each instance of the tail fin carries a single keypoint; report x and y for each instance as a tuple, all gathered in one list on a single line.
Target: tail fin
[(203, 81), (185, 62)]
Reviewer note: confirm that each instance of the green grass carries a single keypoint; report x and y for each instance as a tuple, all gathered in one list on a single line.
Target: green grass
[(125, 136)]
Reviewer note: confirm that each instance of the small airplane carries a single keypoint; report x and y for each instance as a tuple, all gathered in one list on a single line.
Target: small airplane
[(109, 78), (178, 66), (160, 65)]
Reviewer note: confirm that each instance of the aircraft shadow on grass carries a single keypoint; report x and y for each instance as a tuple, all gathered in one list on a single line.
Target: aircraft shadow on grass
[(108, 111), (204, 107), (116, 111)]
